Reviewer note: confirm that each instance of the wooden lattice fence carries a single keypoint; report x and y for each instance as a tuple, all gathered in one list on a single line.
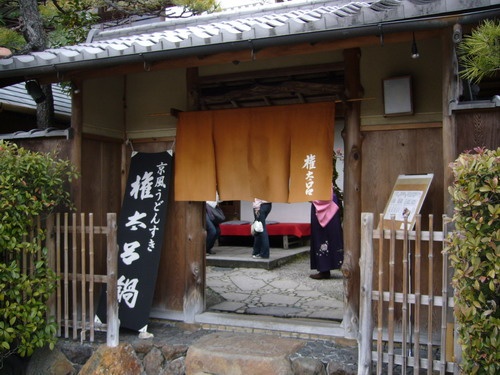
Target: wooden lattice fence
[(414, 327), (72, 241)]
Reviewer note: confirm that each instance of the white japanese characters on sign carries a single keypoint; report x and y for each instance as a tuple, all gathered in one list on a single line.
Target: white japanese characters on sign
[(309, 166)]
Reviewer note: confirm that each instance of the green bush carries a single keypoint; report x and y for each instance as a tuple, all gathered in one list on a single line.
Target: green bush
[(31, 186), (475, 255)]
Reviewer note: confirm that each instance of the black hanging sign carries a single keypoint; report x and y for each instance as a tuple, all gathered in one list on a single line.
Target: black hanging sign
[(140, 235)]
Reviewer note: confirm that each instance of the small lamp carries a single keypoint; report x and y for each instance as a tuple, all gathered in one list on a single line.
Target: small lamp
[(414, 49), (35, 91)]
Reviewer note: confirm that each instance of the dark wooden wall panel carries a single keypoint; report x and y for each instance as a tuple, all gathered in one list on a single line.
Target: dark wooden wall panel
[(386, 155), (101, 186), (478, 128)]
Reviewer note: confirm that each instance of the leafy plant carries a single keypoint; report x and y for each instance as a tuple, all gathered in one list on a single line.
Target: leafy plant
[(480, 52), (10, 39), (474, 251), (31, 186)]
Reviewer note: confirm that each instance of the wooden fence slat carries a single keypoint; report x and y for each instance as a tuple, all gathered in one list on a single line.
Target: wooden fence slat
[(91, 276), (366, 281), (392, 251), (380, 305), (74, 283), (404, 305), (430, 307), (66, 276), (58, 273), (112, 338), (418, 264), (444, 312), (83, 271)]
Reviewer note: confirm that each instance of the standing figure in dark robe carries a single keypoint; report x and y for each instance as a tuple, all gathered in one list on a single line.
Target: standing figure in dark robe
[(327, 240)]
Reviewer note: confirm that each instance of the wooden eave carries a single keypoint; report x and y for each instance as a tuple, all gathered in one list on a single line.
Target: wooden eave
[(245, 55)]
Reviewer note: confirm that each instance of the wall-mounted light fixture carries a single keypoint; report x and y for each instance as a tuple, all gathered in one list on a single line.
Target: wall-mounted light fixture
[(457, 33), (35, 91), (414, 49)]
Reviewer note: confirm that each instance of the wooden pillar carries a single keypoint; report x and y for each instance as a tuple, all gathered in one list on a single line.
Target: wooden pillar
[(76, 141), (450, 96), (194, 230), (352, 192)]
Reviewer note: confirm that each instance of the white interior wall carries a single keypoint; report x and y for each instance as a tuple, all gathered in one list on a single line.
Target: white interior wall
[(282, 212)]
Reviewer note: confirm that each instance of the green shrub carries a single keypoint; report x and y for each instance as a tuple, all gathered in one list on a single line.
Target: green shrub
[(31, 186), (475, 255)]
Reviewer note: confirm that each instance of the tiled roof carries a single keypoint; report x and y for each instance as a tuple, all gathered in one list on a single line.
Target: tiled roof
[(39, 133), (229, 31), (17, 96)]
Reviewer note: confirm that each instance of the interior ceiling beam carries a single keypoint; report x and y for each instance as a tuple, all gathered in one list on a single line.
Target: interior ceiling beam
[(271, 73), (240, 56)]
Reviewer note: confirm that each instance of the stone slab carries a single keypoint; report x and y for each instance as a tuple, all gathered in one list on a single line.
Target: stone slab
[(228, 353)]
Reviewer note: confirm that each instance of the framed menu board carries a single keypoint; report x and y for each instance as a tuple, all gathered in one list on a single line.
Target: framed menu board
[(406, 198)]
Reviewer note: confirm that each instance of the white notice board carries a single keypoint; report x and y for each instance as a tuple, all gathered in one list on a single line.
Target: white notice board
[(408, 196)]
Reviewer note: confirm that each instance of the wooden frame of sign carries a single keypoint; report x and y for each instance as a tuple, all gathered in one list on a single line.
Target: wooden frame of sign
[(407, 196)]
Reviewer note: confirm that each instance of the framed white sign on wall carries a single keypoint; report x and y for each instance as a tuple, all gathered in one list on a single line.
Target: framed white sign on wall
[(397, 96)]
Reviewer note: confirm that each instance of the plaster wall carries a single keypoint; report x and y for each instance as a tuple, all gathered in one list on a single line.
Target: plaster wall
[(150, 96), (393, 60), (103, 107), (135, 106)]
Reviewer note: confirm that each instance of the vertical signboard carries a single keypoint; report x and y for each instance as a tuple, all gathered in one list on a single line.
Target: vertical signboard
[(140, 236)]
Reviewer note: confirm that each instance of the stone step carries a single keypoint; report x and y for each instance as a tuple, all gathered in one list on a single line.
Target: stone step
[(229, 353), (241, 257)]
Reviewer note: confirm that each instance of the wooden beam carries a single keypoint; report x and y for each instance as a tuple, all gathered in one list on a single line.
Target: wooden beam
[(390, 127), (271, 73)]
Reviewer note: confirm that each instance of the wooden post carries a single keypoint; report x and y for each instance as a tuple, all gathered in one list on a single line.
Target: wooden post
[(450, 95), (76, 142), (352, 192), (113, 322), (194, 252), (366, 321), (194, 230), (450, 153)]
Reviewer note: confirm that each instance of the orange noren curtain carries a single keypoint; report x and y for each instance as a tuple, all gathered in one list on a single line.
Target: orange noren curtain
[(280, 154), (311, 161), (195, 178), (231, 142)]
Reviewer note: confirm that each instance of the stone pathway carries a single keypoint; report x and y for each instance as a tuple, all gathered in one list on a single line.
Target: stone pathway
[(287, 291)]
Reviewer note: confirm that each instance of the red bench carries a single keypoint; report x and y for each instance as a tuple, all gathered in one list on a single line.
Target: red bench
[(287, 230)]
